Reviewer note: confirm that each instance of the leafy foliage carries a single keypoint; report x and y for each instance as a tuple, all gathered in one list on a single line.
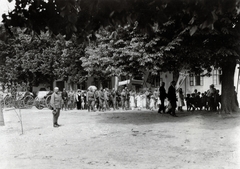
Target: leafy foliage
[(134, 36), (39, 60)]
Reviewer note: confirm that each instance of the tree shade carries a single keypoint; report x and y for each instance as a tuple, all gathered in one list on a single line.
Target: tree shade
[(193, 34)]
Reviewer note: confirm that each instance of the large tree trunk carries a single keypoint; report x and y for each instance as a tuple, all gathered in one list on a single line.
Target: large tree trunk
[(228, 100)]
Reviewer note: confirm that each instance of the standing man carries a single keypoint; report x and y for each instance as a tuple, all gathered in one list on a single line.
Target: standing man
[(90, 100), (106, 98), (56, 103), (71, 100), (65, 99), (172, 98), (162, 97), (78, 99)]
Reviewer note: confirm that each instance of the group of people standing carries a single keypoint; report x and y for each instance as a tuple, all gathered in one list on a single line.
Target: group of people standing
[(104, 99), (209, 100), (172, 99)]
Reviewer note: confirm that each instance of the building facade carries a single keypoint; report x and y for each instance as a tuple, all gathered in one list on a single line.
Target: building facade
[(201, 82)]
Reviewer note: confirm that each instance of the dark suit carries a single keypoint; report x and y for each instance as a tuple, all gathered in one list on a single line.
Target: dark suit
[(172, 99), (162, 97)]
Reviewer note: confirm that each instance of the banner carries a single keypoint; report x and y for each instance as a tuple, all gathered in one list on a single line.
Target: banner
[(125, 82), (181, 79)]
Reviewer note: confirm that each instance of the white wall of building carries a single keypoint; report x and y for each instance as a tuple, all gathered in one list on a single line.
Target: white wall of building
[(207, 81)]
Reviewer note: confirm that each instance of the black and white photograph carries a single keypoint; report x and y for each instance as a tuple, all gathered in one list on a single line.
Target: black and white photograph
[(119, 84)]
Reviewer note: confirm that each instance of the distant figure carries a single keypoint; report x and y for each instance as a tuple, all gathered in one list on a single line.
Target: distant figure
[(162, 96), (204, 102), (123, 99), (91, 100), (218, 100), (152, 103), (188, 102), (132, 100), (78, 99), (106, 98), (56, 103), (127, 98), (211, 93), (98, 101), (71, 100), (180, 99), (148, 96), (193, 101), (65, 99), (197, 100), (172, 99)]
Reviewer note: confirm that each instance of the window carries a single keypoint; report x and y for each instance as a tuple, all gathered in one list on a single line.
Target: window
[(217, 76), (196, 80), (157, 81), (191, 79), (154, 80)]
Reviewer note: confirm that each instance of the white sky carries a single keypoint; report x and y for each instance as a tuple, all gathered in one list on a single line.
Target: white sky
[(5, 6)]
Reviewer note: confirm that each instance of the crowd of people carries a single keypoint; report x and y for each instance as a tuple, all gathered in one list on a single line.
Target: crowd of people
[(164, 101), (208, 100), (125, 99), (106, 99)]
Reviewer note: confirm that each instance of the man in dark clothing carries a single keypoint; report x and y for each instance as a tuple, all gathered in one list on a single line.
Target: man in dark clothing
[(65, 99), (162, 97), (172, 98)]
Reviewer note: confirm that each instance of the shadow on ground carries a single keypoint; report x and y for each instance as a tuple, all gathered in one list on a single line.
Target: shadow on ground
[(150, 117)]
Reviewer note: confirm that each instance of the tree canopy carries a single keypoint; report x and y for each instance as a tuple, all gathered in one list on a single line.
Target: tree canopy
[(126, 36)]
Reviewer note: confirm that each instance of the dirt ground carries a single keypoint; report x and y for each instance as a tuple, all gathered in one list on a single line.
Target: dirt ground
[(120, 140)]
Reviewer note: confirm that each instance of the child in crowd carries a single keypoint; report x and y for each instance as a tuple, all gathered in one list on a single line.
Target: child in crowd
[(204, 102), (152, 101), (218, 100)]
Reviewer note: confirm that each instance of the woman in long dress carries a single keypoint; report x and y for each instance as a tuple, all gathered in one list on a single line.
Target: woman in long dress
[(144, 100), (132, 98), (152, 102), (139, 101), (180, 99)]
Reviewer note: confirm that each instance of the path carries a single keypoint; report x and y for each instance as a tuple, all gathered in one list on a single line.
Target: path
[(120, 140)]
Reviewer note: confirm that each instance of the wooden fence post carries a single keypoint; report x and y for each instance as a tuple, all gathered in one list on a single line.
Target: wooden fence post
[(1, 110)]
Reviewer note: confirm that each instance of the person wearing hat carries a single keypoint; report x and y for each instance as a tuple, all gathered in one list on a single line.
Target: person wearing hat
[(172, 98), (78, 99), (211, 93), (56, 103), (162, 97)]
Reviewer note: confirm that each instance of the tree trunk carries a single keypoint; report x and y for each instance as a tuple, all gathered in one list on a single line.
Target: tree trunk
[(1, 110), (228, 100)]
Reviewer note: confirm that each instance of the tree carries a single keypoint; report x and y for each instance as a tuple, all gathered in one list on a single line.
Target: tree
[(201, 23), (70, 64), (40, 59), (27, 59)]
